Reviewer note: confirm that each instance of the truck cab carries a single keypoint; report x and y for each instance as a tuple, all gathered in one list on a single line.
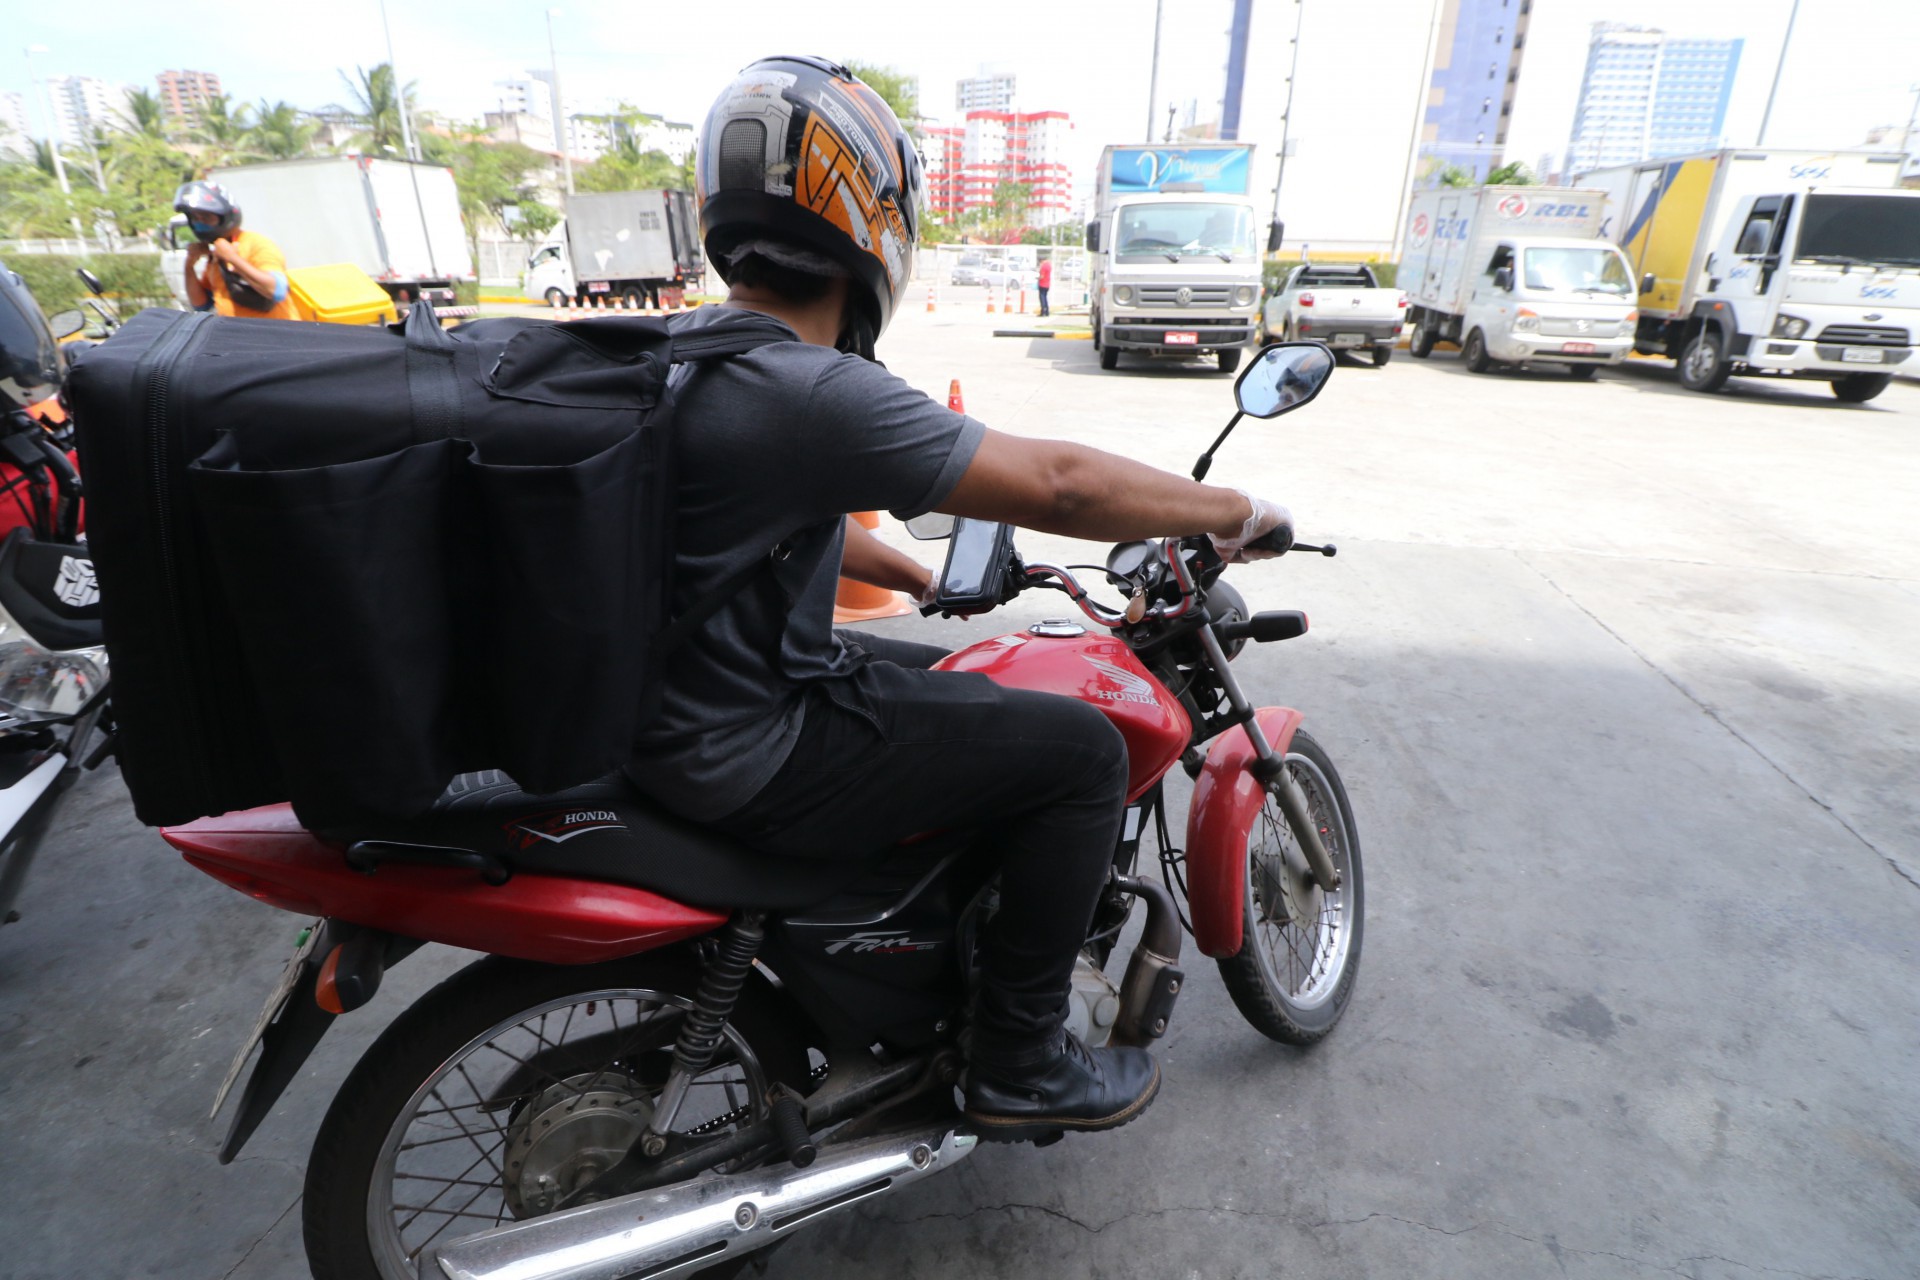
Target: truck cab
[(1820, 283), (1175, 274), (550, 270), (1564, 300)]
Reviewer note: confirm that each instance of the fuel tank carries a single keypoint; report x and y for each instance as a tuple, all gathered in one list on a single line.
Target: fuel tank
[(1066, 659)]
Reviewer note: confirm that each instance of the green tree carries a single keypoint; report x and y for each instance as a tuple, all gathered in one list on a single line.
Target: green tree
[(136, 176), (280, 131), (1006, 218), (492, 178), (1515, 174), (31, 203), (901, 91), (145, 115), (1453, 176), (533, 219), (222, 132), (376, 106)]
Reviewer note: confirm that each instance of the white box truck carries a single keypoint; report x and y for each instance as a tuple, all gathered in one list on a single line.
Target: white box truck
[(397, 221), (626, 245), (1176, 261), (1516, 275), (1751, 263)]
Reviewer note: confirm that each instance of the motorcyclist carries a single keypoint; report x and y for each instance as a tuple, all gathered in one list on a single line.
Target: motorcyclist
[(815, 743), (230, 270)]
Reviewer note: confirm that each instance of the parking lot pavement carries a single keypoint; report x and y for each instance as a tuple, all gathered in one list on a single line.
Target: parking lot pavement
[(1622, 683)]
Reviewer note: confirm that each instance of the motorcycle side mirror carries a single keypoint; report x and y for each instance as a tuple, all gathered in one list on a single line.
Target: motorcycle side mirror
[(931, 527), (67, 323), (92, 282), (1282, 377)]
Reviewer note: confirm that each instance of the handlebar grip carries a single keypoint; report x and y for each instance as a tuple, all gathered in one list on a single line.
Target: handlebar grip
[(1278, 540)]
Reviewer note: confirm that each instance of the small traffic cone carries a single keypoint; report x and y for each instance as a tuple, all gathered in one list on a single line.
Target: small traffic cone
[(954, 401), (558, 301), (1023, 301), (933, 298), (989, 299), (862, 602)]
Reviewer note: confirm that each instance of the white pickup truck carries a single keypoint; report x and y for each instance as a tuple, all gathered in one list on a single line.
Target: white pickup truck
[(1340, 304)]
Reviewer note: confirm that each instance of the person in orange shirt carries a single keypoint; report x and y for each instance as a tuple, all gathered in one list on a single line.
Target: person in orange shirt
[(234, 272)]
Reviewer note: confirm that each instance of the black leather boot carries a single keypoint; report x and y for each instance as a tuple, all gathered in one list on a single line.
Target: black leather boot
[(1080, 1089)]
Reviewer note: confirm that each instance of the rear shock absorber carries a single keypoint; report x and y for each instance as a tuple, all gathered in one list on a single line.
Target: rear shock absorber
[(705, 1025)]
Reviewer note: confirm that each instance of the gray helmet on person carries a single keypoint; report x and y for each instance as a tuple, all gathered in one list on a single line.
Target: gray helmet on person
[(204, 198)]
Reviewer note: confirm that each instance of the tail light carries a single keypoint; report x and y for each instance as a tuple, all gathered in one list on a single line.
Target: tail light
[(1403, 302), (1306, 299)]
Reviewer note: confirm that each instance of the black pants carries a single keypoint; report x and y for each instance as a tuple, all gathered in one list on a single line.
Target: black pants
[(896, 750), (1043, 302)]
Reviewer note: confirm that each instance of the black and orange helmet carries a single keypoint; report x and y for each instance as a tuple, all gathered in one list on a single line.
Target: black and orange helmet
[(800, 150)]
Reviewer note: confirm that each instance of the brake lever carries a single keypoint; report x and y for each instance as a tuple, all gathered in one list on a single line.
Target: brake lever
[(1327, 550)]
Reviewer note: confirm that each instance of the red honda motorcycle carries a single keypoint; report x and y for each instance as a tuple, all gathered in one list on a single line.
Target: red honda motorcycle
[(677, 1051)]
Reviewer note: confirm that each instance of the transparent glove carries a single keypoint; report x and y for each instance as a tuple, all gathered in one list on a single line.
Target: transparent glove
[(1267, 532)]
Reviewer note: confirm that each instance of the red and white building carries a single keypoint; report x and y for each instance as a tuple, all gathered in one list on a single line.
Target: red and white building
[(965, 163)]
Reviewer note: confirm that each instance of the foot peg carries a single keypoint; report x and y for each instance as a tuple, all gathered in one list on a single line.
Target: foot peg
[(790, 1128)]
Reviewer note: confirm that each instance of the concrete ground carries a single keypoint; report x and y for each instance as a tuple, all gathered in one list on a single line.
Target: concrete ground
[(1623, 685)]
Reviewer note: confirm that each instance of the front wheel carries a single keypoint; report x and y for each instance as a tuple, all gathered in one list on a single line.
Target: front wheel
[(556, 297), (1381, 355), (1475, 353), (1230, 360), (1584, 372), (1860, 387), (1109, 357), (508, 1087), (1300, 944), (1703, 367)]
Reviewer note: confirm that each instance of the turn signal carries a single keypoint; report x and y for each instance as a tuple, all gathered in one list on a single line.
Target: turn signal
[(326, 992)]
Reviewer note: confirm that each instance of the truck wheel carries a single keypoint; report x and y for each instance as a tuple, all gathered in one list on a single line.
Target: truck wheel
[(1109, 357), (1702, 366), (1584, 372), (1381, 355), (1230, 360), (1096, 331), (635, 296), (556, 297), (1420, 345), (1475, 353), (1860, 387)]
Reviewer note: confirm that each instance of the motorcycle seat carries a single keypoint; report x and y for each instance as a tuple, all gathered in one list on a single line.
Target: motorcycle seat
[(607, 830)]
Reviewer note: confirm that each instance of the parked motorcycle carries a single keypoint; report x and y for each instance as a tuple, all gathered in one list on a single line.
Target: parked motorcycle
[(677, 1051), (54, 717)]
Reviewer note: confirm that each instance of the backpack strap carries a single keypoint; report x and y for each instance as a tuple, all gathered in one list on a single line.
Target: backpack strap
[(729, 340), (432, 385)]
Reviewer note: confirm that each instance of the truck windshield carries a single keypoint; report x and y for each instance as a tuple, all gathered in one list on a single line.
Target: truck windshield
[(1172, 232), (1570, 270), (1865, 229)]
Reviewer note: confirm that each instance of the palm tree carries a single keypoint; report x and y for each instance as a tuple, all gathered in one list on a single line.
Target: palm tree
[(145, 115), (222, 130), (376, 103), (281, 132)]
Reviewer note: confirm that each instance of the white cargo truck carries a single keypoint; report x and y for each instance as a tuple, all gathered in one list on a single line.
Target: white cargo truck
[(1176, 260), (629, 246), (1516, 275), (1753, 263), (397, 221)]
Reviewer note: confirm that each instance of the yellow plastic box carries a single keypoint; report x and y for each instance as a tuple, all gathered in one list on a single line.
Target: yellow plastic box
[(339, 293)]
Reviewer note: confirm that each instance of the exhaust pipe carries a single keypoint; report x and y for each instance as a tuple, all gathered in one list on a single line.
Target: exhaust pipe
[(671, 1231)]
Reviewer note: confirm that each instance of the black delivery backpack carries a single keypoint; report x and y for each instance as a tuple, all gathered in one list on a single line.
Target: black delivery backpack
[(339, 565)]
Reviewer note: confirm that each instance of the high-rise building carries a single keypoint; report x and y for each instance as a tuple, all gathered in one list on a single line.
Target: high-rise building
[(1476, 68), (989, 91), (1646, 94), (84, 106), (967, 163), (16, 138), (185, 93)]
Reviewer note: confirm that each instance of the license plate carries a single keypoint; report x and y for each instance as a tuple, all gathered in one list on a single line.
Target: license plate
[(1860, 355), (599, 286), (1182, 339), (1577, 348), (276, 1001), (1347, 339)]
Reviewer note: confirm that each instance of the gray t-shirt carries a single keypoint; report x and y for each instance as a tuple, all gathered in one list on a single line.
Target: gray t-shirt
[(776, 447)]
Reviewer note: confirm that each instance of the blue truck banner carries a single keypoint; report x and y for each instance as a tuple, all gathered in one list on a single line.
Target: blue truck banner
[(1222, 170)]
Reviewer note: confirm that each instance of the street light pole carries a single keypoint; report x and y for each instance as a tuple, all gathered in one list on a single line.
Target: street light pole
[(1906, 134), (1286, 116), (560, 120), (53, 137), (399, 89), (1153, 80), (1778, 67)]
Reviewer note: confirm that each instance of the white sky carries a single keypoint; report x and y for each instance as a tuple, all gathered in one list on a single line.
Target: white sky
[(1852, 66)]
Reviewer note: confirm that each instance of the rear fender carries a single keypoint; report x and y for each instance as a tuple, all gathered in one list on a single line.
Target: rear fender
[(1226, 802)]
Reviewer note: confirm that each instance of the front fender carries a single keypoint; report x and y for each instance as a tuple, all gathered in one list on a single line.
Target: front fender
[(1226, 801)]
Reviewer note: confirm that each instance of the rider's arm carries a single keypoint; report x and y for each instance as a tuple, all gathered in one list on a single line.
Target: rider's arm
[(1057, 487), (262, 276), (869, 560), (197, 296)]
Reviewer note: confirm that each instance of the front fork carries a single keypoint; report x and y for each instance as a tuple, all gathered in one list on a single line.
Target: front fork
[(1271, 769)]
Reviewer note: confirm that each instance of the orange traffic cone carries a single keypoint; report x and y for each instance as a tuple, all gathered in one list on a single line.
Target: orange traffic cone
[(862, 602), (933, 298), (1023, 300), (954, 402)]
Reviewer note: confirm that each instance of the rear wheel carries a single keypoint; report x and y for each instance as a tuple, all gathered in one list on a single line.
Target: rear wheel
[(1475, 353), (1230, 360), (1861, 387), (1300, 944), (507, 1087), (1420, 345), (635, 296), (1703, 366), (1381, 355)]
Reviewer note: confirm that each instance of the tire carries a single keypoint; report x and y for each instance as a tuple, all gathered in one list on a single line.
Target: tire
[(1230, 360), (1276, 1006), (556, 297), (446, 1041), (1859, 388), (1381, 355), (1584, 372), (1474, 352), (1703, 364), (634, 296), (1109, 357), (1096, 331), (1420, 345)]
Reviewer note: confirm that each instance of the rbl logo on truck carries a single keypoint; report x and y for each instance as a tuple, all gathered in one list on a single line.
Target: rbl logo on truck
[(1517, 206)]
